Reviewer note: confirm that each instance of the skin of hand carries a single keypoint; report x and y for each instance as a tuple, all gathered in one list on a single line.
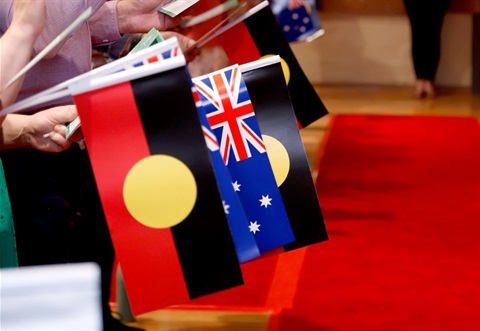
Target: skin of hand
[(140, 16), (27, 131), (293, 4), (16, 44), (185, 43)]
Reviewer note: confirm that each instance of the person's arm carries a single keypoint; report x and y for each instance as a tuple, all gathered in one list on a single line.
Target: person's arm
[(104, 24), (118, 17), (16, 44), (44, 131)]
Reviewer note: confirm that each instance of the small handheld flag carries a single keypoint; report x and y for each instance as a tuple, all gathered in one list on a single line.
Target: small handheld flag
[(257, 34), (300, 23), (244, 240), (231, 116), (157, 185), (285, 150)]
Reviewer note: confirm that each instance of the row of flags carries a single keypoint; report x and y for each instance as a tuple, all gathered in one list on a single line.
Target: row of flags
[(257, 34), (198, 175)]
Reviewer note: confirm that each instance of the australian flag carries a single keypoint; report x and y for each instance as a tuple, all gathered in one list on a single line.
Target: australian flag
[(230, 113), (244, 240)]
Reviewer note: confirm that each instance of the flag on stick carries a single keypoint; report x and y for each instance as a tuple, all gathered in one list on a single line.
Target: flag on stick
[(244, 240), (152, 54), (285, 149), (256, 34), (157, 185), (231, 116)]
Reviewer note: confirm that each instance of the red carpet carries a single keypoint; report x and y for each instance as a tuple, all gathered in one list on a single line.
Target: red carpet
[(401, 198)]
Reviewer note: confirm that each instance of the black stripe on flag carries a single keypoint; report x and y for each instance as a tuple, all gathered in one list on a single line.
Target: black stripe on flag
[(169, 117), (269, 39), (276, 118)]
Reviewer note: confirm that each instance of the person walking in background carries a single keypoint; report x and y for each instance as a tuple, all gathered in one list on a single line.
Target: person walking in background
[(426, 20)]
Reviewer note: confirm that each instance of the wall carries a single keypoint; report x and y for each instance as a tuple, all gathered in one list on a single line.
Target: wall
[(375, 49)]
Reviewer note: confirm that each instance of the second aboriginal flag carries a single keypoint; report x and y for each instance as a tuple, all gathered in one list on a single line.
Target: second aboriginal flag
[(157, 185), (257, 34), (274, 112)]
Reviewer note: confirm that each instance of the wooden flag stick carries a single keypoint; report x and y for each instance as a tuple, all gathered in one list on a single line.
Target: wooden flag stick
[(215, 11), (209, 35)]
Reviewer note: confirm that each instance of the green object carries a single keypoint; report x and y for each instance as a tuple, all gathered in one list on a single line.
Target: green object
[(8, 247), (151, 38)]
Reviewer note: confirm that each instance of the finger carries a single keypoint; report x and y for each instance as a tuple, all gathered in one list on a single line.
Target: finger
[(60, 129), (59, 140), (62, 114)]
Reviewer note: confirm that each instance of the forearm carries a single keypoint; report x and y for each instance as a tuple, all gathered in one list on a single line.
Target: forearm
[(12, 131), (15, 52)]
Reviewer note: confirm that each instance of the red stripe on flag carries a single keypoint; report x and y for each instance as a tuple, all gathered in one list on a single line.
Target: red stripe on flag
[(153, 59), (239, 45), (112, 129)]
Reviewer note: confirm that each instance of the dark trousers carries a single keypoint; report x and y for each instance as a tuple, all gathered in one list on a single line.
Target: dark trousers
[(57, 212), (426, 20)]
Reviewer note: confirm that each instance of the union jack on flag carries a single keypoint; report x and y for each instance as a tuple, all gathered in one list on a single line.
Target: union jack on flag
[(174, 51), (226, 102), (233, 114)]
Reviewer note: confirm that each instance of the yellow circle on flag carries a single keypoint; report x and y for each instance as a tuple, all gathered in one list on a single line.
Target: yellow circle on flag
[(285, 68), (160, 191), (279, 159)]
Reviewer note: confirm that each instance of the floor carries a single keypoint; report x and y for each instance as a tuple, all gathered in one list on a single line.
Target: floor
[(338, 100)]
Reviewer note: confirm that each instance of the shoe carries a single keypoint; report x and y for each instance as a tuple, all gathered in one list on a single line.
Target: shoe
[(113, 324)]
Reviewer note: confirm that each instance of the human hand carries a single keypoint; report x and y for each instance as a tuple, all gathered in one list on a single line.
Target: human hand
[(46, 130), (29, 17), (185, 44), (141, 15), (293, 4)]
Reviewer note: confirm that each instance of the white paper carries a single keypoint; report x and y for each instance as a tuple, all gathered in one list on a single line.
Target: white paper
[(176, 7), (51, 297)]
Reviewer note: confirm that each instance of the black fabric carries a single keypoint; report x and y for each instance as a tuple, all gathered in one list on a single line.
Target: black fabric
[(203, 239), (57, 212), (426, 20), (276, 118), (270, 39)]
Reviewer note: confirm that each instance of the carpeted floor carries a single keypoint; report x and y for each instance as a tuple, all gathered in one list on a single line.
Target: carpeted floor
[(401, 199)]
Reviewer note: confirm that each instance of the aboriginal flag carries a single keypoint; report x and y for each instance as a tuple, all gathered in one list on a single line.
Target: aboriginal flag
[(275, 116), (157, 185), (256, 34)]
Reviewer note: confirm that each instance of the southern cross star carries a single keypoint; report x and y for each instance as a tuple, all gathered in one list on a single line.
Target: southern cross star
[(265, 201), (254, 227)]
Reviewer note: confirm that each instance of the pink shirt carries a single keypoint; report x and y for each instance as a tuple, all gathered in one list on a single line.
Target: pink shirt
[(73, 56)]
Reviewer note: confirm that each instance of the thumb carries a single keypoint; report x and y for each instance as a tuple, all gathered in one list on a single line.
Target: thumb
[(62, 114)]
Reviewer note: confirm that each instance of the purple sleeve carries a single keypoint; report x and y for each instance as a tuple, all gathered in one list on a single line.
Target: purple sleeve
[(104, 24)]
